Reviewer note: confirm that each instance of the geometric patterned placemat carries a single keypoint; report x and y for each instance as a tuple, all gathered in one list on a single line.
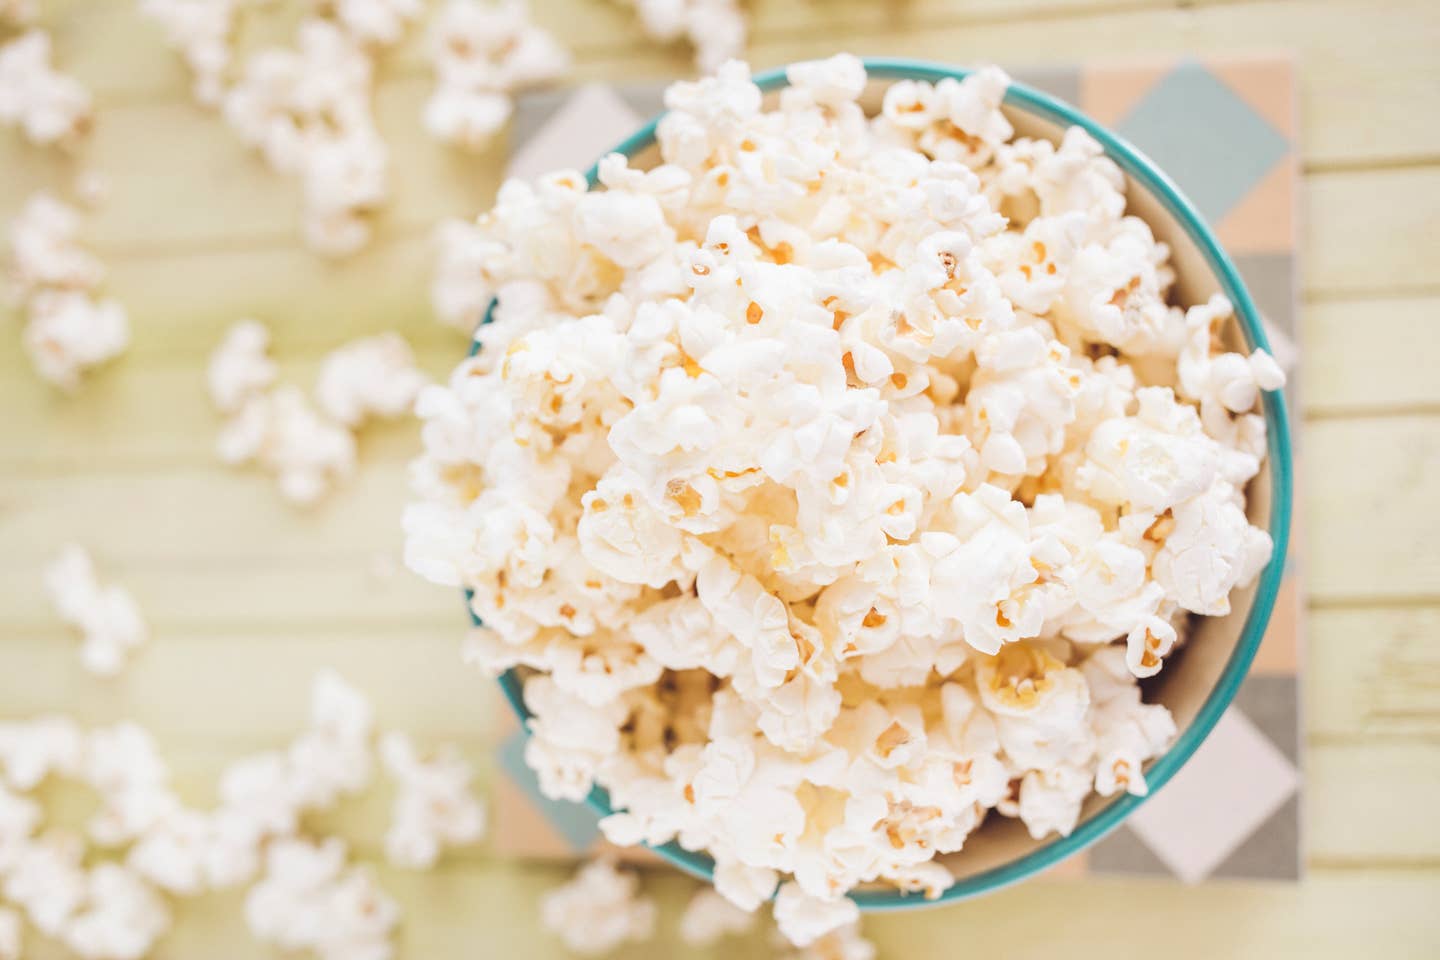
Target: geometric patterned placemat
[(1225, 131)]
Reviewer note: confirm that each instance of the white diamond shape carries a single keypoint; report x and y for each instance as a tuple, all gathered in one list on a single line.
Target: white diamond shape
[(1236, 780)]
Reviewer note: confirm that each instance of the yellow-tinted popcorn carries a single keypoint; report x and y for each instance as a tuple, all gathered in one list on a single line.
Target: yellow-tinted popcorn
[(834, 481)]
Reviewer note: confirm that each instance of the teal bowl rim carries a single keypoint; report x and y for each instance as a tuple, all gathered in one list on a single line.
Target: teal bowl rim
[(1144, 171)]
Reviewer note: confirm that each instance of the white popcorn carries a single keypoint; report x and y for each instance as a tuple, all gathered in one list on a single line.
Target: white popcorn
[(378, 22), (715, 28), (240, 368), (308, 111), (202, 30), (47, 105), (803, 918), (11, 934), (846, 943), (283, 433), (45, 252), (833, 482), (67, 330), (121, 919), (434, 805), (107, 616), (375, 376), (46, 879), (598, 910), (709, 916), (482, 53), (68, 333), (308, 899), (34, 749)]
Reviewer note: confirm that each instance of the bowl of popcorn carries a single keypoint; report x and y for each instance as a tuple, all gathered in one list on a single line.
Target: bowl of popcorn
[(869, 483)]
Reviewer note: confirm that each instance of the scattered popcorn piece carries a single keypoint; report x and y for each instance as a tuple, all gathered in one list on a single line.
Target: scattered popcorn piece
[(45, 878), (372, 377), (482, 53), (434, 805), (845, 943), (203, 32), (714, 28), (308, 111), (121, 918), (67, 331), (308, 899), (240, 367), (48, 106), (107, 616), (598, 910), (835, 480), (45, 250), (378, 23), (803, 918), (282, 432), (709, 917), (11, 934), (34, 749)]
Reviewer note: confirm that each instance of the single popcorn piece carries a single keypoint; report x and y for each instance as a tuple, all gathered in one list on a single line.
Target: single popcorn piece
[(203, 32), (482, 53), (832, 483), (379, 23), (372, 377), (50, 107), (121, 918), (282, 432), (240, 367), (803, 918), (309, 899), (709, 916), (67, 330), (846, 943), (107, 616), (34, 749), (716, 29), (598, 910), (45, 878), (434, 805)]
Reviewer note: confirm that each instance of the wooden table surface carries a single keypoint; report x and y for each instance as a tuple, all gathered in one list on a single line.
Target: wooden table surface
[(248, 596)]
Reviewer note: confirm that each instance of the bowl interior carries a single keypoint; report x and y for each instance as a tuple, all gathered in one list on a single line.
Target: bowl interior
[(1200, 680)]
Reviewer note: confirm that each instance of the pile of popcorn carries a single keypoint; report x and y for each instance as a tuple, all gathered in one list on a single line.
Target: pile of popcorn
[(836, 480), (54, 281), (303, 893), (308, 450)]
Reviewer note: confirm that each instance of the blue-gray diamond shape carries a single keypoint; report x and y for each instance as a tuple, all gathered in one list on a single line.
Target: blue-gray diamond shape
[(1210, 142)]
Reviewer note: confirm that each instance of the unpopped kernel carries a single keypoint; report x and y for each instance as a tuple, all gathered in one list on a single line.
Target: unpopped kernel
[(835, 481)]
